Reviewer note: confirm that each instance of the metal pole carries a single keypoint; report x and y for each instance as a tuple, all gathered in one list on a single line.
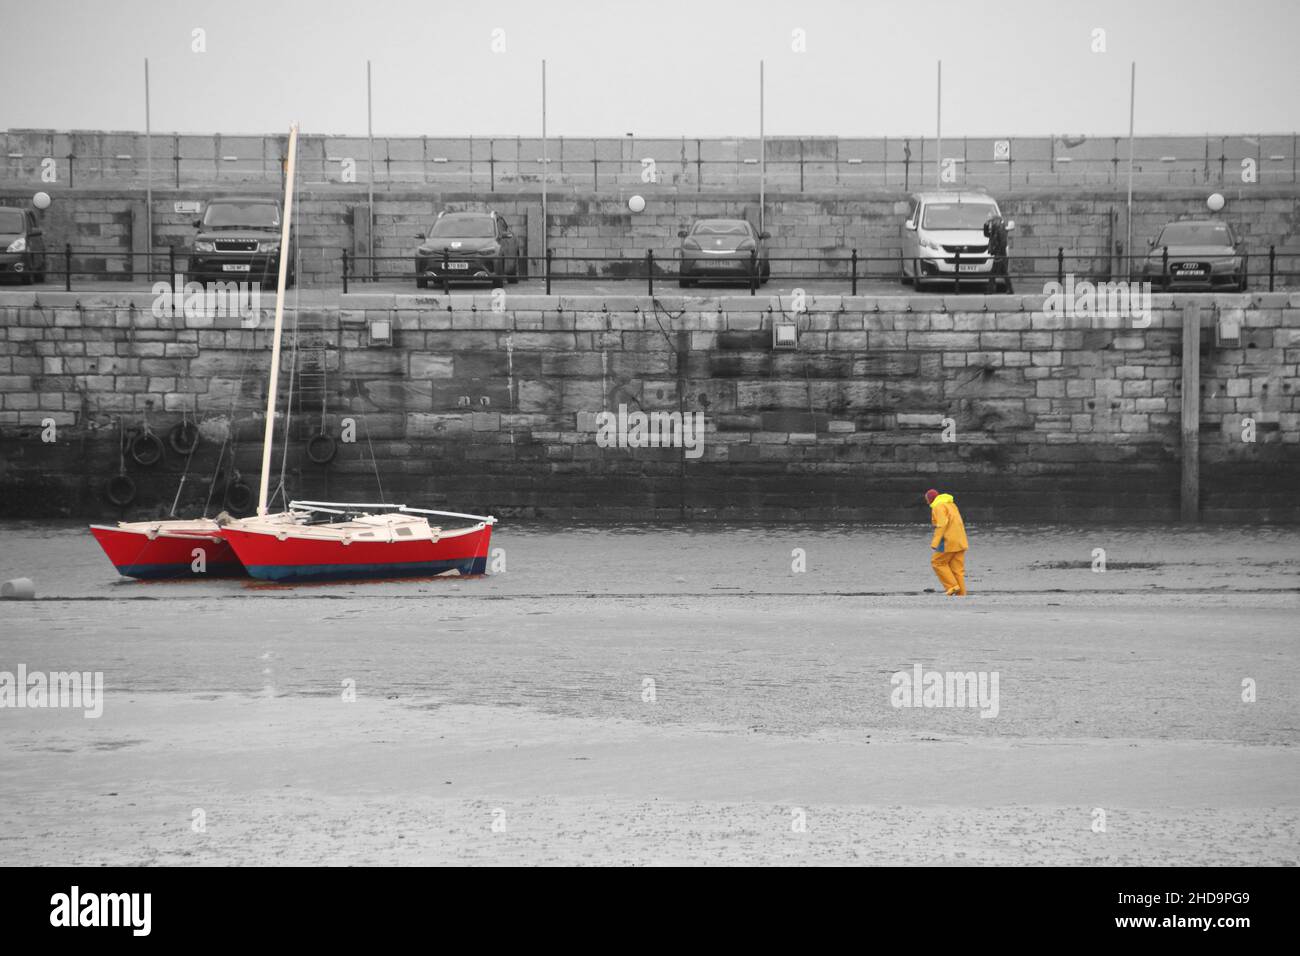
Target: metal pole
[(148, 180), (370, 198), (938, 126), (269, 433), (762, 148), (1128, 216), (546, 241), (1191, 413)]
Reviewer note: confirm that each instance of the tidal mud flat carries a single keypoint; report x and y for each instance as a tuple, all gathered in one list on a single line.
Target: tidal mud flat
[(679, 696)]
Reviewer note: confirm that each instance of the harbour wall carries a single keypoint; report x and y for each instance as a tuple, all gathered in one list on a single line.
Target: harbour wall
[(497, 405)]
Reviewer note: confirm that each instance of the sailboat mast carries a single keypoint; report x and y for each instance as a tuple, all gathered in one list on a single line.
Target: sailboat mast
[(269, 433)]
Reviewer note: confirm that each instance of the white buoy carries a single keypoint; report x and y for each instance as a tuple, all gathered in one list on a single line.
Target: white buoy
[(636, 203), (1215, 202), (19, 589), (41, 200)]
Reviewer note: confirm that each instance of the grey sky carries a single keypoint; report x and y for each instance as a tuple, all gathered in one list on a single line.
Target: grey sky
[(667, 68)]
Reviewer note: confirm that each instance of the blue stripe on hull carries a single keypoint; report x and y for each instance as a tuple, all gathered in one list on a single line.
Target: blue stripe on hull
[(153, 572), (350, 572)]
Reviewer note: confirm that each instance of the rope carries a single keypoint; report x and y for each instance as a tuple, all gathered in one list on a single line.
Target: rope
[(288, 408), (280, 489), (374, 463), (230, 434)]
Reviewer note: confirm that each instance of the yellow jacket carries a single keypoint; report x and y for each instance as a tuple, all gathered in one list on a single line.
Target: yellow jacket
[(949, 531)]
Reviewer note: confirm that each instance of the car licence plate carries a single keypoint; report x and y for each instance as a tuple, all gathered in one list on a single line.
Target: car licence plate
[(970, 268), (237, 268), (455, 265), (1189, 269)]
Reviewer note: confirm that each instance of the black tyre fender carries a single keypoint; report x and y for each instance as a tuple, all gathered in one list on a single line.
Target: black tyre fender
[(120, 490), (184, 438), (238, 497), (321, 449), (146, 449)]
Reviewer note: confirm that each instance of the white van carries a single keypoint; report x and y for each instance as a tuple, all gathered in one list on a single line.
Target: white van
[(940, 228)]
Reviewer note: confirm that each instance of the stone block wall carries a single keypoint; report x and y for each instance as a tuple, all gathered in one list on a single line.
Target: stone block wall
[(1028, 416)]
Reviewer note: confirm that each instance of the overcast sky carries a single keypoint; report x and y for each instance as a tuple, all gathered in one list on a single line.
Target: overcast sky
[(664, 68)]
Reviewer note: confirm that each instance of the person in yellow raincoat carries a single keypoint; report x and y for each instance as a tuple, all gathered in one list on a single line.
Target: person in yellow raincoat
[(948, 543)]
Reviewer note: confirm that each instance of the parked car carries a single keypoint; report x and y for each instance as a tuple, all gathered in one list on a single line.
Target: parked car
[(238, 240), (940, 227), (468, 247), (22, 245), (722, 249), (1202, 253)]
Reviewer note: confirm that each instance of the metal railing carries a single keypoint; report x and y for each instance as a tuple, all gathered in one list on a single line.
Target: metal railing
[(1263, 270), (967, 272)]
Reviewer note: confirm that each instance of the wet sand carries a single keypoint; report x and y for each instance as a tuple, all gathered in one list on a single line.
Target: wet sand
[(508, 720)]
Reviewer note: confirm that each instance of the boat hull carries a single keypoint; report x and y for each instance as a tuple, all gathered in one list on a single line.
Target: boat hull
[(167, 550), (288, 558)]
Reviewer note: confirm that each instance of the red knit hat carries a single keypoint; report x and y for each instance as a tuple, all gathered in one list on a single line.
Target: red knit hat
[(930, 496)]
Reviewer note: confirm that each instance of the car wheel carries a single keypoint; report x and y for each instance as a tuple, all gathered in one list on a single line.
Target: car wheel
[(685, 283), (1241, 283), (917, 282), (28, 278), (421, 282)]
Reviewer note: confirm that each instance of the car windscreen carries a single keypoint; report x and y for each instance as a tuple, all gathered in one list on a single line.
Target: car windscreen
[(11, 221), (464, 228), (1194, 234), (957, 215), (722, 227), (258, 215)]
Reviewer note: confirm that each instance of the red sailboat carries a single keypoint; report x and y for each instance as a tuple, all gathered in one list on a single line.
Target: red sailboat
[(312, 540), (168, 549), (358, 541)]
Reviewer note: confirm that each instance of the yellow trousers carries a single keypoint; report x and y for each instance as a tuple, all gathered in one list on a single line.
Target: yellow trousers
[(950, 568)]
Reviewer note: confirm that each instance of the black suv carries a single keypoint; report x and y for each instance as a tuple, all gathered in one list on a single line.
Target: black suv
[(238, 239), (22, 245), (467, 247)]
